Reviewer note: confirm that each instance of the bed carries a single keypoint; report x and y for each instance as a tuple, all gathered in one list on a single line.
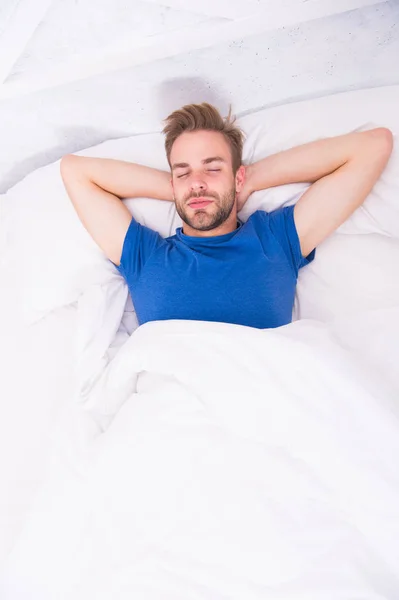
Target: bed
[(201, 460)]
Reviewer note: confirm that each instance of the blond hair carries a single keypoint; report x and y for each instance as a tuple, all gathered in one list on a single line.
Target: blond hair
[(194, 117)]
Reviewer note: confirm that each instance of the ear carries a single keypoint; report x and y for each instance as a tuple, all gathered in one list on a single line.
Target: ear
[(240, 179)]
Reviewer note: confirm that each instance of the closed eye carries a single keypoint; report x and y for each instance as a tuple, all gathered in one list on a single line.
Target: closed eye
[(210, 170)]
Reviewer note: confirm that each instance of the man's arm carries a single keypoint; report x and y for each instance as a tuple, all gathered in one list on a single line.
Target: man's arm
[(96, 186), (343, 171)]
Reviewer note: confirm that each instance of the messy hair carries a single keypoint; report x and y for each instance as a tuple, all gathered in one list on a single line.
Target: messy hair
[(193, 117)]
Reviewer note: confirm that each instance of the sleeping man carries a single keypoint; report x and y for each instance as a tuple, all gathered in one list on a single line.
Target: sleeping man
[(216, 268)]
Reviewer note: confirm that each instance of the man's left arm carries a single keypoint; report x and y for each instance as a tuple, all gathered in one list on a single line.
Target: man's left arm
[(343, 171)]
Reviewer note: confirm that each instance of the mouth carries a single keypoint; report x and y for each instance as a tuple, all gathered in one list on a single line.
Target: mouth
[(199, 202)]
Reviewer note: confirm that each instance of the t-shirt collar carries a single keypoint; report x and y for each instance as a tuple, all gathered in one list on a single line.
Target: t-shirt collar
[(208, 239)]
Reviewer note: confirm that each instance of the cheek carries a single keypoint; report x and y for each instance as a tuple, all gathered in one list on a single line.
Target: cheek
[(178, 189), (181, 193), (180, 185)]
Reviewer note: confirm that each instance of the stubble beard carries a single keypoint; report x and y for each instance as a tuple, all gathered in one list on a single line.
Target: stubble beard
[(201, 220)]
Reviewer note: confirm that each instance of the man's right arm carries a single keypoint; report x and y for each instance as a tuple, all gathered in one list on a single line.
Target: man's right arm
[(96, 186)]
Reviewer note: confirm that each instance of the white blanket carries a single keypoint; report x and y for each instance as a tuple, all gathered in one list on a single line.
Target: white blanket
[(241, 463)]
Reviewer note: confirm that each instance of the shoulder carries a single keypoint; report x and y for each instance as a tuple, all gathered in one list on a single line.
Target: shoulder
[(275, 220), (139, 245), (278, 224), (277, 228), (259, 217)]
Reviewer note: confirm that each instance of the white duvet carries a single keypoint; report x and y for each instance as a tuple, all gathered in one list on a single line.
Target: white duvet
[(195, 460), (241, 463)]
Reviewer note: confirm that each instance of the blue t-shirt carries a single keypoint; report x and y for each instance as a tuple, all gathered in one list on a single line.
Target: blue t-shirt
[(247, 277)]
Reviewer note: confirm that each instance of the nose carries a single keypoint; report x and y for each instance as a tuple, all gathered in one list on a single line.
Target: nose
[(198, 185)]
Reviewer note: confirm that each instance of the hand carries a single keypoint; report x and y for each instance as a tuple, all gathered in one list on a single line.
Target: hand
[(246, 189)]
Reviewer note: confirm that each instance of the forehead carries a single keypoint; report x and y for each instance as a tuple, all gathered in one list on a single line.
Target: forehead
[(194, 146)]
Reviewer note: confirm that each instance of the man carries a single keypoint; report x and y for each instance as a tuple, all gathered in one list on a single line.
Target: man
[(216, 268)]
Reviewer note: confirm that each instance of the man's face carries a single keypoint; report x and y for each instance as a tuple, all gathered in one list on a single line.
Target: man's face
[(203, 182)]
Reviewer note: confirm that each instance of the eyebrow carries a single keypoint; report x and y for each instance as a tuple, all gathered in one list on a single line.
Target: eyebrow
[(206, 161)]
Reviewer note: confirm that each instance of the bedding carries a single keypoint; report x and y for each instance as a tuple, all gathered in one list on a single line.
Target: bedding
[(201, 460), (234, 462), (36, 384)]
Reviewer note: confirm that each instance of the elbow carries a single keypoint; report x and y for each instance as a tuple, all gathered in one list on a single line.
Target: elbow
[(67, 160), (385, 136), (383, 140), (69, 164), (376, 147)]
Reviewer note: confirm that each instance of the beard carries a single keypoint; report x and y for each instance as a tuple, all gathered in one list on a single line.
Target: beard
[(202, 220)]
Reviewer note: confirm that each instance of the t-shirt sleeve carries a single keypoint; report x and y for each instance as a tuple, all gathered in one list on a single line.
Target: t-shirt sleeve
[(282, 225), (139, 243)]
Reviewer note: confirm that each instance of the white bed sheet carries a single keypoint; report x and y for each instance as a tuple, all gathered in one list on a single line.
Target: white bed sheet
[(37, 381)]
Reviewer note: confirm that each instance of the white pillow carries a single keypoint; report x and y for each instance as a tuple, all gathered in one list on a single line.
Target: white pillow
[(49, 257), (282, 127), (352, 273), (53, 259)]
